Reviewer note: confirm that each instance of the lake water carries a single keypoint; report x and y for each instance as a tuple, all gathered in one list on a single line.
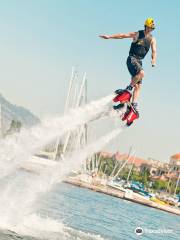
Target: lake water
[(72, 213)]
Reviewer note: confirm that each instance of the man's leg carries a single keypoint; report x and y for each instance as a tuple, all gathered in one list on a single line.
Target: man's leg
[(136, 83), (136, 92), (135, 68)]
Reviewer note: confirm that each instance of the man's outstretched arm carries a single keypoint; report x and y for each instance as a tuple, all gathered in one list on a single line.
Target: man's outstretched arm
[(120, 35), (153, 48)]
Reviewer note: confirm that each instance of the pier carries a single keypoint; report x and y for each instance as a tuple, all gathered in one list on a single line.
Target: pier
[(121, 194)]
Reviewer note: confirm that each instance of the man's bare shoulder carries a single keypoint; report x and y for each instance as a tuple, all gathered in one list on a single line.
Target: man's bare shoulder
[(134, 35)]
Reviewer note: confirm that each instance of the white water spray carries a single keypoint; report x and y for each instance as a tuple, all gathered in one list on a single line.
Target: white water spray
[(19, 190), (20, 147), (16, 203)]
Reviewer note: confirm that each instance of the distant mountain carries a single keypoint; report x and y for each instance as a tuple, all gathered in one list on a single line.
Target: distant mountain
[(9, 112)]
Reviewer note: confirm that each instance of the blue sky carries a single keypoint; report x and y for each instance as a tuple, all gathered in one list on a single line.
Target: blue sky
[(41, 40)]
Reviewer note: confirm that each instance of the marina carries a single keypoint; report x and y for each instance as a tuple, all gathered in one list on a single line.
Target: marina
[(126, 195)]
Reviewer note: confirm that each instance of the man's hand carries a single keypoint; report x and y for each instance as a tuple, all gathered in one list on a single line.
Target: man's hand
[(153, 63), (104, 36)]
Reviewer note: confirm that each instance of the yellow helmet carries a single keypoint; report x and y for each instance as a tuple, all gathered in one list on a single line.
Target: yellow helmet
[(149, 23)]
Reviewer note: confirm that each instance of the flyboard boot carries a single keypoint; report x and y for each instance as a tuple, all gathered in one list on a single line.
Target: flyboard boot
[(122, 96), (131, 114)]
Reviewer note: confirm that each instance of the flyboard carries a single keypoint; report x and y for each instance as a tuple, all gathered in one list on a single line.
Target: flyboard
[(122, 100)]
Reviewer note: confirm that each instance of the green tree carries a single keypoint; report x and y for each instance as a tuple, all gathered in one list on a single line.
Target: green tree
[(136, 176), (145, 177), (160, 185)]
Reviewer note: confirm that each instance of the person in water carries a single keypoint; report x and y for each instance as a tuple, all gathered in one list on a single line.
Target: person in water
[(142, 42)]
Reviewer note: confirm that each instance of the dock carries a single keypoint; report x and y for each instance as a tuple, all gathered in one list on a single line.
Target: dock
[(121, 194)]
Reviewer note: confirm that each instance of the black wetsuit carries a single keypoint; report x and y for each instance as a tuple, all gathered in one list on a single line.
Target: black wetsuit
[(137, 52)]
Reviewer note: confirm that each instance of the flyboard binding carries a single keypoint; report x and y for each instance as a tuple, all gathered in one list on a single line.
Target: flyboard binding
[(123, 98)]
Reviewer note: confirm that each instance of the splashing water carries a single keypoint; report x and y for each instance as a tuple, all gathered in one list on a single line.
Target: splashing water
[(20, 147), (46, 228), (20, 192), (19, 189)]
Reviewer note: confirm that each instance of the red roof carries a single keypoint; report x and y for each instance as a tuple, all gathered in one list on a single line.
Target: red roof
[(137, 161), (176, 156)]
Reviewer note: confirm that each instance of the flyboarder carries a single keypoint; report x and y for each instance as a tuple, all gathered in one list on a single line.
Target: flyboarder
[(142, 42)]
